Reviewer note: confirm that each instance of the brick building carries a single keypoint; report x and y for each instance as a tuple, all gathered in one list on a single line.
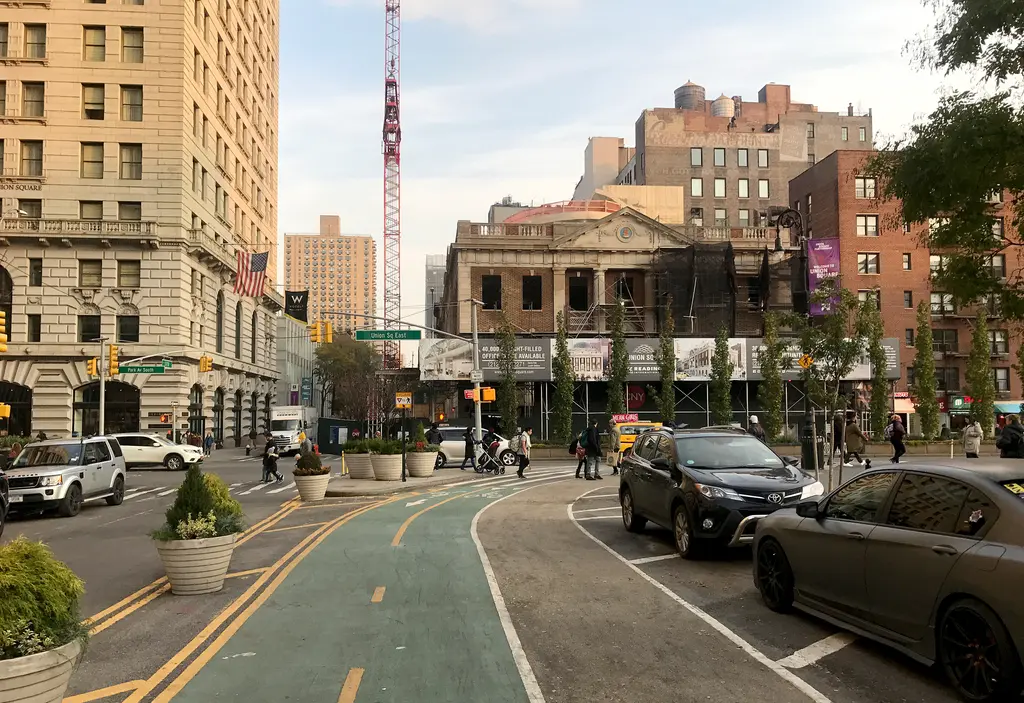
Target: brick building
[(883, 259)]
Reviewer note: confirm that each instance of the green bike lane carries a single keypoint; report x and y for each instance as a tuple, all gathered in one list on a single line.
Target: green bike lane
[(435, 635)]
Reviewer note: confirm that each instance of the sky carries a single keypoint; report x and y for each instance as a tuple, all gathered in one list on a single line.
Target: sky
[(499, 97)]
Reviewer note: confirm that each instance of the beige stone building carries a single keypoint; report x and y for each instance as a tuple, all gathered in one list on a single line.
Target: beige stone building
[(339, 271), (139, 144)]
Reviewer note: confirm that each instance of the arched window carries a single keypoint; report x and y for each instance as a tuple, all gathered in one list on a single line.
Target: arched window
[(255, 400), (220, 322), (252, 352), (238, 330), (196, 421), (122, 403), (238, 418), (218, 415), (7, 298)]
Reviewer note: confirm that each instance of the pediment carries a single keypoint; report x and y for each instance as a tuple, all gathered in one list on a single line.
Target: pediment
[(625, 230)]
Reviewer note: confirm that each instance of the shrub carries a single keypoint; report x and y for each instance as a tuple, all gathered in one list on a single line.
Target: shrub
[(356, 446), (10, 440), (199, 527), (39, 600), (390, 448), (223, 502), (373, 446), (201, 494), (310, 465)]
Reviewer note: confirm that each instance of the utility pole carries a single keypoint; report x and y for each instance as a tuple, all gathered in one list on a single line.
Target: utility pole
[(477, 373), (103, 387)]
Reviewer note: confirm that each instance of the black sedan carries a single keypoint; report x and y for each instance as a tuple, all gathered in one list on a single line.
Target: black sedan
[(710, 487)]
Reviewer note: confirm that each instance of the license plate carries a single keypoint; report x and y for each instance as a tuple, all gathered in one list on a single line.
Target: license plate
[(17, 499)]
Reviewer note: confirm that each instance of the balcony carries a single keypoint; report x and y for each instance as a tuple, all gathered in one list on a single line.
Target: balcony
[(25, 3), (14, 116), (212, 249), (595, 320), (761, 236), (12, 58), (504, 229), (67, 231)]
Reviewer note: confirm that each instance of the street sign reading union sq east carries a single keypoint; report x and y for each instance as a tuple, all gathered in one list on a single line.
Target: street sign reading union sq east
[(452, 359)]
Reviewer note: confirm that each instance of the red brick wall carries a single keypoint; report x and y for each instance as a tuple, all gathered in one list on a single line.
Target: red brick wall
[(512, 299)]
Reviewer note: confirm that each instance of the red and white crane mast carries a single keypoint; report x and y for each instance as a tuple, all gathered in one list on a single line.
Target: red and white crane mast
[(392, 179)]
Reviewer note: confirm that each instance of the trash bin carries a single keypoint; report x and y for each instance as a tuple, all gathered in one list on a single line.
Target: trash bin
[(807, 449)]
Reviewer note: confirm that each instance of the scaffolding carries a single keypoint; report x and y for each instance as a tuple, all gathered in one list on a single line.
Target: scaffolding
[(701, 280)]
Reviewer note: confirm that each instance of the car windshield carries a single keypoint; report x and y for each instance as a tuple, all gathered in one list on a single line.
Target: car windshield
[(630, 430), (64, 454), (720, 452), (1016, 487), (284, 425)]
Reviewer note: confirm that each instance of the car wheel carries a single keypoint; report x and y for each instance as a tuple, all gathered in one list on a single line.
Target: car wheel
[(508, 458), (439, 461), (774, 576), (72, 502), (977, 654), (117, 497), (630, 520), (682, 532), (174, 462)]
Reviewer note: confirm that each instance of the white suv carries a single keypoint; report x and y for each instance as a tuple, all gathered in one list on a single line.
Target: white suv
[(63, 473), (142, 449)]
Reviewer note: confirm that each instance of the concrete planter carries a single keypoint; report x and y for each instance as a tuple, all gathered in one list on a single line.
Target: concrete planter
[(359, 466), (312, 488), (387, 467), (196, 566), (39, 678), (421, 464)]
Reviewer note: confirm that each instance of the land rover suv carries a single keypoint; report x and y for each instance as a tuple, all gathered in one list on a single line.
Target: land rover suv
[(61, 474)]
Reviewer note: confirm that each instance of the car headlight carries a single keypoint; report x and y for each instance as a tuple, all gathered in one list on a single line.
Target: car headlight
[(51, 480), (717, 492), (812, 491)]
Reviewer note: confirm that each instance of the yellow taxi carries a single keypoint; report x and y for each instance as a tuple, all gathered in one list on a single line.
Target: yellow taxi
[(629, 431)]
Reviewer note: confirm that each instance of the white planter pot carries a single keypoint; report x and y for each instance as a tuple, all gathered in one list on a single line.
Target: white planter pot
[(359, 466), (312, 488), (387, 467), (39, 678), (196, 566), (421, 464)]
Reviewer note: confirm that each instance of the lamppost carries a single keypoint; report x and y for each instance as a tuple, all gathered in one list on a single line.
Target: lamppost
[(12, 213)]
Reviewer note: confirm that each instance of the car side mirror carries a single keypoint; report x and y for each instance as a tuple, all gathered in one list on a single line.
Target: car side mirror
[(791, 460), (811, 509), (628, 451), (661, 463)]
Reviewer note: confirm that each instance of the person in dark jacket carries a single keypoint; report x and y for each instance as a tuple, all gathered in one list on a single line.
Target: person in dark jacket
[(755, 429), (895, 433), (1011, 439), (592, 447), (470, 453)]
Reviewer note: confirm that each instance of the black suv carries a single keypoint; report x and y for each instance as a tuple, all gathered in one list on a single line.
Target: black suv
[(710, 487)]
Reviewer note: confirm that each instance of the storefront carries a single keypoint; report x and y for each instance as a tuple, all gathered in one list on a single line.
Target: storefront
[(122, 409)]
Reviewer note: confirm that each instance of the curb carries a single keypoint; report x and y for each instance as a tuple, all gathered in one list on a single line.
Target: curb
[(386, 488)]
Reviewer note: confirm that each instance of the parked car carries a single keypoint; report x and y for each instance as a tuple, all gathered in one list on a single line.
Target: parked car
[(5, 501), (710, 487), (629, 431), (146, 449), (927, 559), (453, 447), (61, 474)]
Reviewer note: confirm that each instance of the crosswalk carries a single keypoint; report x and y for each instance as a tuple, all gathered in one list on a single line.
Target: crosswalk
[(239, 490)]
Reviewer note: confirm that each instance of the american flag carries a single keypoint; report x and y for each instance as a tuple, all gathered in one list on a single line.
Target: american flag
[(252, 273)]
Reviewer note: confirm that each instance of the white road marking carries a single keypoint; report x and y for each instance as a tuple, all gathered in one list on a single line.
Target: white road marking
[(257, 487), (142, 493), (599, 517), (589, 497), (759, 656), (421, 501), (166, 493), (597, 510), (278, 490), (817, 651), (648, 560)]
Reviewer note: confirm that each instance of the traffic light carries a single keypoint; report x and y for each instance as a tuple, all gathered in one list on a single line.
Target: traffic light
[(328, 333), (5, 411), (316, 333), (165, 419), (440, 416), (114, 367), (3, 331), (92, 366), (488, 394), (205, 364)]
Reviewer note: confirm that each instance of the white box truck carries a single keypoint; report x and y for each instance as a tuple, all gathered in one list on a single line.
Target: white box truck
[(288, 422)]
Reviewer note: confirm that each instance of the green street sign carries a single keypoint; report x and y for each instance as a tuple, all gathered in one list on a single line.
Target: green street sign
[(166, 363), (388, 335), (142, 369)]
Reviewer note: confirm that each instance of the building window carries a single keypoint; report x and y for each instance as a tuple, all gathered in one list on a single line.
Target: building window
[(128, 328), (220, 322), (129, 273), (763, 190), (35, 41), (867, 225), (35, 328), (33, 99), (697, 216), (908, 299), (90, 210), (811, 160), (997, 228), (810, 130), (89, 328), (92, 160), (238, 330), (33, 208), (131, 103), (696, 187), (743, 187), (1001, 379), (863, 134), (35, 272), (762, 158), (696, 156), (92, 101), (845, 134), (906, 262), (490, 290), (719, 156), (941, 303), (131, 44), (3, 38), (948, 378), (908, 337), (131, 162), (532, 293), (997, 262), (90, 273), (721, 218), (31, 158), (999, 342), (945, 341), (129, 212), (910, 375), (867, 263), (95, 44), (742, 158), (870, 295), (864, 188), (810, 203), (993, 304), (719, 187), (744, 218)]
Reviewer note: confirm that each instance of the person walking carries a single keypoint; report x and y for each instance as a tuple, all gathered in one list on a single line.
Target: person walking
[(973, 434), (614, 444), (208, 443), (856, 441), (523, 451), (470, 451), (581, 454), (895, 432), (755, 429), (270, 456), (838, 436), (592, 449), (1011, 439)]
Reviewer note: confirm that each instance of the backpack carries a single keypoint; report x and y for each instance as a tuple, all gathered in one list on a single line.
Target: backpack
[(516, 444), (888, 431), (574, 445)]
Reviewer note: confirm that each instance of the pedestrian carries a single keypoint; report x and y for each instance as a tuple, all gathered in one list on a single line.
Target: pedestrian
[(208, 443), (470, 453), (41, 437), (592, 448), (838, 430), (615, 440), (973, 434), (305, 444), (856, 441), (270, 457), (433, 434), (895, 432), (1011, 439), (756, 429), (577, 449), (523, 451)]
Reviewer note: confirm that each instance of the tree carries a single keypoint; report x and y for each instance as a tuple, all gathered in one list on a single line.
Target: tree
[(980, 385), (1019, 366), (348, 370), (721, 380), (565, 383), (925, 384), (833, 343), (872, 330), (665, 357), (508, 388), (773, 361), (619, 371)]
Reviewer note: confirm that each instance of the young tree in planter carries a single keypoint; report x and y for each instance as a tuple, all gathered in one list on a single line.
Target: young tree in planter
[(619, 371), (665, 397), (773, 361), (925, 384), (980, 385), (872, 330), (565, 382), (508, 387), (721, 380)]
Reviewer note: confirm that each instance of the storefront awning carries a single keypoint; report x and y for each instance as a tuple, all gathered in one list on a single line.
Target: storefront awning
[(1008, 406), (903, 406)]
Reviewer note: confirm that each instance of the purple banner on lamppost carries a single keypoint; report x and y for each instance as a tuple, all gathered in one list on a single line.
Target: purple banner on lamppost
[(822, 263)]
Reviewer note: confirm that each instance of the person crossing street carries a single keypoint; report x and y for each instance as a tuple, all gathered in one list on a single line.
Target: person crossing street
[(614, 442), (521, 446)]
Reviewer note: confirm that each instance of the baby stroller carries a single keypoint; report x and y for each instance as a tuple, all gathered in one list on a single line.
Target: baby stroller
[(489, 461)]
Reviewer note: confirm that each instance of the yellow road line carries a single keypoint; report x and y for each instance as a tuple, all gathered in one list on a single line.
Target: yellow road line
[(122, 614), (297, 527), (335, 504), (351, 686), (101, 693), (378, 594), (248, 572), (405, 525)]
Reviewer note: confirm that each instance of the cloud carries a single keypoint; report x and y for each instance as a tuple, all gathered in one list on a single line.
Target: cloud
[(488, 16)]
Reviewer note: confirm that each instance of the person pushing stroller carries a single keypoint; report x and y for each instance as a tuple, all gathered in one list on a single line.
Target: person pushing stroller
[(270, 457)]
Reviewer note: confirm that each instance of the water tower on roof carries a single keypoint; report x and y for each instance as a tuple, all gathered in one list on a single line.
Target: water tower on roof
[(690, 97), (723, 106)]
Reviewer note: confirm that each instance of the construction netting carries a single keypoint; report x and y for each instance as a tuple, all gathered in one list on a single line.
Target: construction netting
[(701, 280)]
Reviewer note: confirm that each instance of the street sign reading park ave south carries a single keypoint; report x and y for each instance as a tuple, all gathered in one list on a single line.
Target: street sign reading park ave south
[(388, 335), (144, 368)]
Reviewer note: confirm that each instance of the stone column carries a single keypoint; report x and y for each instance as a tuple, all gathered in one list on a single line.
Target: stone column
[(599, 297), (650, 305), (558, 282)]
